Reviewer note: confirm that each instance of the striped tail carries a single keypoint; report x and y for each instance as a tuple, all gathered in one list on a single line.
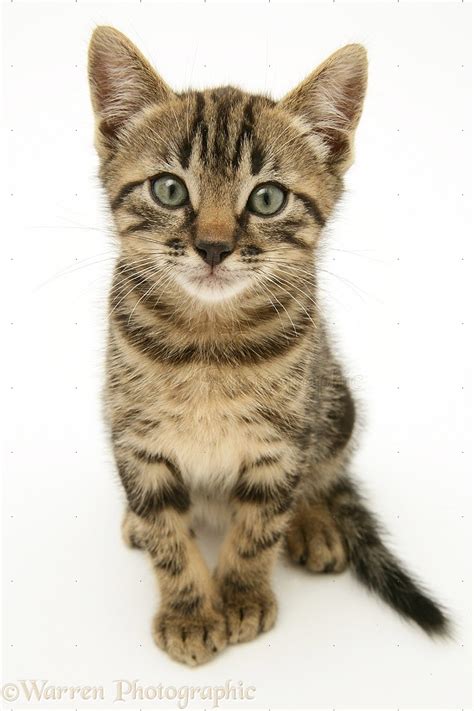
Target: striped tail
[(376, 567)]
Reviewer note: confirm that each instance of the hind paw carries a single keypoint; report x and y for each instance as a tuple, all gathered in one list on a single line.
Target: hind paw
[(133, 531), (314, 541)]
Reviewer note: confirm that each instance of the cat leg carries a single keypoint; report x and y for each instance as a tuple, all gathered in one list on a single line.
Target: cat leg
[(189, 625), (261, 506), (314, 537)]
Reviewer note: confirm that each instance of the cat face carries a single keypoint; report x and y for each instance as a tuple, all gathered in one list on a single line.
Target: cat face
[(221, 193)]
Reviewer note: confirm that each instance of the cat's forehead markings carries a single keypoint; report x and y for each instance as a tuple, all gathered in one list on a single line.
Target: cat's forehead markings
[(219, 130)]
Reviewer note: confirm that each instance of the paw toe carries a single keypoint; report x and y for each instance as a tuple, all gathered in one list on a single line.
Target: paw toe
[(190, 641), (324, 557), (316, 546), (297, 546), (246, 619)]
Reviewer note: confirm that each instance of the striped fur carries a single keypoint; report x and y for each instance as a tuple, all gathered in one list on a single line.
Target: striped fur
[(223, 397)]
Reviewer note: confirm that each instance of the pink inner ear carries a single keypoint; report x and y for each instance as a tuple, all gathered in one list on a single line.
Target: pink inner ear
[(105, 97), (331, 99), (101, 82), (122, 80), (337, 111)]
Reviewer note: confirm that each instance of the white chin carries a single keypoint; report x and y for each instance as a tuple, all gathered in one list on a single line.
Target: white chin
[(212, 290)]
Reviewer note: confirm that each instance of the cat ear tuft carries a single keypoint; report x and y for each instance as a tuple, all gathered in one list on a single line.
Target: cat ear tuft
[(330, 102), (122, 82)]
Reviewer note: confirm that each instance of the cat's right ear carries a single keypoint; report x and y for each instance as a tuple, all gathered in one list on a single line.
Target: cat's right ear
[(122, 83)]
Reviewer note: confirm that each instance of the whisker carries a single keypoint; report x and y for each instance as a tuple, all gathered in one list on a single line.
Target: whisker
[(148, 291), (146, 273), (70, 270), (356, 289), (260, 282), (169, 280), (278, 283)]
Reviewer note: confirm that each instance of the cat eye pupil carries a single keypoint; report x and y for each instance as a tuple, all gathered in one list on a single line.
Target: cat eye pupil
[(266, 199), (169, 190)]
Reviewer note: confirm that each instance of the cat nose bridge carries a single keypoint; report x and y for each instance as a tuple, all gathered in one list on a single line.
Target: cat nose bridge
[(215, 235), (216, 225)]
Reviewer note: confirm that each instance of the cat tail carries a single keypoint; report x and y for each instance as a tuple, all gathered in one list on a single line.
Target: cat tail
[(377, 568)]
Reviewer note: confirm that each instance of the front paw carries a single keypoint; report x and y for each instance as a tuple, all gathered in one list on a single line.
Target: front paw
[(248, 610), (192, 637)]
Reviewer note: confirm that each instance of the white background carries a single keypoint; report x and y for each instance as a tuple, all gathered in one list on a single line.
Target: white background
[(77, 604)]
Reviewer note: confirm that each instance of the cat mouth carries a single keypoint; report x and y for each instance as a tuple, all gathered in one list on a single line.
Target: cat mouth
[(210, 277), (213, 284), (214, 279)]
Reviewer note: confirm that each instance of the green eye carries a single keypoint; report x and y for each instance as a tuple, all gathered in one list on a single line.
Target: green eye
[(169, 190), (266, 199)]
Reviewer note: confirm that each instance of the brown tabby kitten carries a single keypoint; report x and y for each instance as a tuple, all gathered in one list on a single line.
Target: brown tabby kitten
[(222, 392)]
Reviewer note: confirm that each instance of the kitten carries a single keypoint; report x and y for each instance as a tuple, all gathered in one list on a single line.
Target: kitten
[(222, 392)]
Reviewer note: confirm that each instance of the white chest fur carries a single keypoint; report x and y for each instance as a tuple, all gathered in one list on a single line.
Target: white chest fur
[(206, 448), (201, 429)]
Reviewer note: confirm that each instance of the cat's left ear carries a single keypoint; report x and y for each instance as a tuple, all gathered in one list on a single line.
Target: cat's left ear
[(330, 102)]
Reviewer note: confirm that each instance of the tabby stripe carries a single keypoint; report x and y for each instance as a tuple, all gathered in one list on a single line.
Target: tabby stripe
[(266, 460), (146, 289), (291, 238), (269, 311), (256, 493), (148, 213), (257, 159), (154, 217), (172, 495), (167, 553), (123, 192), (204, 131), (245, 133), (231, 353), (341, 415), (144, 456), (169, 565), (288, 426), (144, 226), (221, 133), (312, 208), (187, 146), (233, 582), (260, 545), (187, 606)]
